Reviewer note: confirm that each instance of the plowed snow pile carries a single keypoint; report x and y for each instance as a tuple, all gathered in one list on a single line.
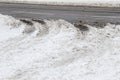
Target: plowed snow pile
[(57, 50)]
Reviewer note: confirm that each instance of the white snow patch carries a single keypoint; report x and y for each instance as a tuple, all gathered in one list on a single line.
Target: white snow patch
[(102, 3), (58, 50)]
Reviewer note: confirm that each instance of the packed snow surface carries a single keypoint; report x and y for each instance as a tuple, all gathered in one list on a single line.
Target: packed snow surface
[(57, 50)]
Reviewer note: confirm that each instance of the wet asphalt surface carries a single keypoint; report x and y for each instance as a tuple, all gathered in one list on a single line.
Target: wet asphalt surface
[(85, 14)]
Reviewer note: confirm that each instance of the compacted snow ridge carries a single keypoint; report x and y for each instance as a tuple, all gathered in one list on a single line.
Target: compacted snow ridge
[(57, 50)]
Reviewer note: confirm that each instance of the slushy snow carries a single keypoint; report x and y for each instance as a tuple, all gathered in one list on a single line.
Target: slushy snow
[(57, 50)]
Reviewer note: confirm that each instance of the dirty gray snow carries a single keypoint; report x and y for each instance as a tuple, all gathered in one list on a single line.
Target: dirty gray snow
[(57, 50)]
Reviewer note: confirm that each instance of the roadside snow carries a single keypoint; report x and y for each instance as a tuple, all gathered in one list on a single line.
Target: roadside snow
[(107, 3), (58, 50)]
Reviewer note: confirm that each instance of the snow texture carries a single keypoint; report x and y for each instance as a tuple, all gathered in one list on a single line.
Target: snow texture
[(102, 3), (57, 50)]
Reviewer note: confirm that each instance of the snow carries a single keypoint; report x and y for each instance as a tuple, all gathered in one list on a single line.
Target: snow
[(106, 3), (57, 50)]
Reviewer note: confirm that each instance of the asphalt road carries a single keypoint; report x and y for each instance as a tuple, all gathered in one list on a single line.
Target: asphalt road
[(69, 13)]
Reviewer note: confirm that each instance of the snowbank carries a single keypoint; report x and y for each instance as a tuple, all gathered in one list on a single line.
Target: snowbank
[(57, 50), (102, 3)]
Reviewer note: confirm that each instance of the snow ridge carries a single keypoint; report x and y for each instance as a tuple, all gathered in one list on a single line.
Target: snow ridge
[(57, 50)]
